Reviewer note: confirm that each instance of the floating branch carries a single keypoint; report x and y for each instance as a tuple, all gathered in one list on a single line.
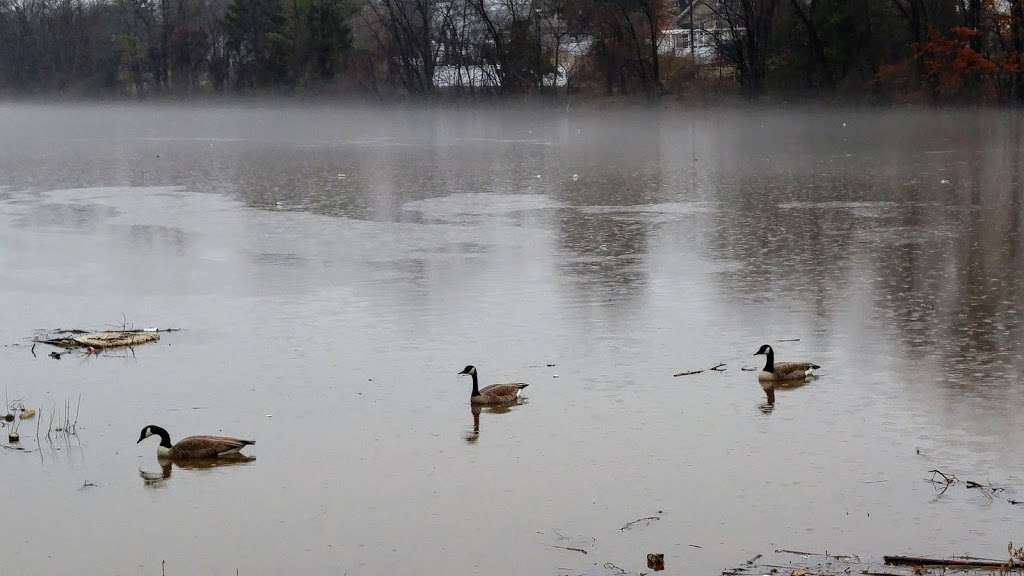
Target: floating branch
[(570, 548), (617, 569), (942, 481), (648, 519), (986, 487), (825, 554), (715, 368)]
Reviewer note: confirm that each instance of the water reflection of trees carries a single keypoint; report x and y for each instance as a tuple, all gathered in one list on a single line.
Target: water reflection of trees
[(619, 163)]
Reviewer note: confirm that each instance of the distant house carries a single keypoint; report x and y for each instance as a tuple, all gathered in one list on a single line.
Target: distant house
[(699, 31)]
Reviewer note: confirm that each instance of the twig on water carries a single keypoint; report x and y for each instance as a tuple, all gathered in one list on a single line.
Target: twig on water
[(988, 487), (570, 548), (942, 481), (690, 373), (715, 368), (74, 426), (754, 559), (826, 554), (639, 520), (618, 570)]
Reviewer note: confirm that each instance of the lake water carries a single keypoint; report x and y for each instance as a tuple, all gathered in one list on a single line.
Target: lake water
[(333, 269)]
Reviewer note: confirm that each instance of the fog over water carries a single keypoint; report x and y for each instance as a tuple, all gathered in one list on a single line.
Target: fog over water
[(333, 268)]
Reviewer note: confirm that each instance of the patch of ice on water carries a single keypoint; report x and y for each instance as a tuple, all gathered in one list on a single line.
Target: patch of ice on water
[(660, 208), (480, 203), (839, 205)]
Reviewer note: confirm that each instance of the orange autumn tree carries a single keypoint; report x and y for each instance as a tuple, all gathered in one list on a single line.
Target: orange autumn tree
[(953, 69)]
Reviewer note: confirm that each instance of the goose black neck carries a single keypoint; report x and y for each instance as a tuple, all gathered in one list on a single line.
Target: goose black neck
[(476, 388), (769, 365), (165, 438)]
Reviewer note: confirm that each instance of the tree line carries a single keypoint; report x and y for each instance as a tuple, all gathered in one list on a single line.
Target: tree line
[(918, 50)]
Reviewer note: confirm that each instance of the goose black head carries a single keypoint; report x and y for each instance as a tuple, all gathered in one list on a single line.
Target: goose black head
[(468, 370), (764, 349), (151, 430)]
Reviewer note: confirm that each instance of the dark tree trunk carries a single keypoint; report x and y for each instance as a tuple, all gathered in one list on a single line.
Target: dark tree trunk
[(818, 57)]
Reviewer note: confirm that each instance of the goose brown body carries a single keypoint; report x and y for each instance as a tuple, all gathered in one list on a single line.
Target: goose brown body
[(787, 371), (195, 447), (498, 393)]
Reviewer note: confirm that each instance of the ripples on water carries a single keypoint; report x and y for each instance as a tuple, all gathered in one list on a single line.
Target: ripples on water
[(333, 269)]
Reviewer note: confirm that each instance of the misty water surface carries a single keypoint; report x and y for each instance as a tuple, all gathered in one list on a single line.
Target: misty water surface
[(334, 268)]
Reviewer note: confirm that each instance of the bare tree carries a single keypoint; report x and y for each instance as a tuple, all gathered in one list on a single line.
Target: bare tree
[(749, 27)]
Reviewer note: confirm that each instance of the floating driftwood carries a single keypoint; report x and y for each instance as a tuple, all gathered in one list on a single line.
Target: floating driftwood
[(99, 340)]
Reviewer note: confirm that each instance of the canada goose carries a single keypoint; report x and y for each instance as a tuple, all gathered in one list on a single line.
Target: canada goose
[(780, 372), (194, 447), (493, 394)]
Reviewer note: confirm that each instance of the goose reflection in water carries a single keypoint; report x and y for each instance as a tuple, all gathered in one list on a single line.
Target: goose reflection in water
[(474, 434), (769, 405), (157, 479)]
